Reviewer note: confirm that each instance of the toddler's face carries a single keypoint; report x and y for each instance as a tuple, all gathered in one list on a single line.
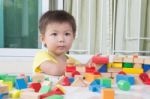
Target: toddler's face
[(58, 37)]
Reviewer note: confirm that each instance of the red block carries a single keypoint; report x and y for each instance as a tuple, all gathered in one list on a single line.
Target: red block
[(100, 60), (66, 81), (43, 96), (70, 69), (58, 91), (35, 86), (75, 73), (90, 69), (121, 72)]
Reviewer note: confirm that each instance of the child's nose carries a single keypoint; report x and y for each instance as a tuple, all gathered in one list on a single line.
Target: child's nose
[(61, 39)]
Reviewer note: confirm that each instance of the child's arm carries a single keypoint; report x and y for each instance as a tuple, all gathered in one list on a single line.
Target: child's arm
[(51, 68)]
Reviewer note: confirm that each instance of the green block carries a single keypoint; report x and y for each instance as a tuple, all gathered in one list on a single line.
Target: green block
[(11, 78), (55, 97), (123, 85), (45, 89), (106, 82), (3, 76), (127, 65)]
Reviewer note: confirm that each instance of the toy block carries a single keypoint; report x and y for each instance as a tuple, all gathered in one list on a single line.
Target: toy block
[(128, 59), (97, 75), (58, 91), (11, 78), (118, 59), (96, 88), (127, 65), (71, 79), (123, 85), (138, 60), (80, 69), (1, 96), (38, 77), (109, 65), (89, 77), (114, 70), (15, 94), (90, 69), (100, 60), (9, 84), (103, 68), (137, 65), (75, 73), (23, 76), (68, 74), (66, 82), (133, 70), (128, 78), (70, 69), (79, 83), (148, 73), (147, 61), (145, 78), (4, 89), (108, 75), (30, 95), (106, 82), (35, 86), (121, 72), (61, 88), (107, 93), (70, 63), (3, 76), (55, 97), (45, 89), (146, 67), (117, 65), (20, 83)]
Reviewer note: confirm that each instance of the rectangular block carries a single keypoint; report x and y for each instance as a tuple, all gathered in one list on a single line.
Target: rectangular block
[(114, 70), (146, 61), (117, 65), (138, 60), (128, 59), (118, 59), (137, 65), (133, 70), (107, 93)]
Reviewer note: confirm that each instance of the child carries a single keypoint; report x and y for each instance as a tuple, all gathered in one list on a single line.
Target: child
[(57, 32)]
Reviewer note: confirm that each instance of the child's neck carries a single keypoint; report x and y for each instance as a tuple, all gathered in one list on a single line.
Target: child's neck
[(57, 55)]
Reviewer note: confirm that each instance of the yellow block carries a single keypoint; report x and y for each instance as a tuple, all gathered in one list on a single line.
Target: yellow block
[(107, 93), (109, 65), (133, 70), (9, 84), (15, 94), (117, 65), (61, 88)]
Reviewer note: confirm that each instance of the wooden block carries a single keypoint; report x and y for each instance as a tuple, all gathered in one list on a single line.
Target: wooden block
[(38, 77), (117, 65), (146, 61), (107, 93), (133, 70), (79, 83), (137, 65), (4, 89), (106, 75), (114, 70), (117, 59), (89, 77), (128, 59), (109, 65), (30, 95), (138, 60), (80, 69)]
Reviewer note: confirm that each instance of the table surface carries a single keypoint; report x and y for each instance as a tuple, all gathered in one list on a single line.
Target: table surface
[(136, 92)]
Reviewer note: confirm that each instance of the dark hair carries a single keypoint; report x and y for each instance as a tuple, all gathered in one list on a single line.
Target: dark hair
[(56, 16)]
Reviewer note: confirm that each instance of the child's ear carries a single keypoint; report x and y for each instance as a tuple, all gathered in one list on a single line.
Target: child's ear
[(41, 37)]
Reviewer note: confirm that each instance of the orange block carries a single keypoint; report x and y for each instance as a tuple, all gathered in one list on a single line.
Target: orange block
[(89, 77), (107, 93)]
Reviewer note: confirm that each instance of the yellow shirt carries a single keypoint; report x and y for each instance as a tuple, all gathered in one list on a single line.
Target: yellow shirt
[(43, 56)]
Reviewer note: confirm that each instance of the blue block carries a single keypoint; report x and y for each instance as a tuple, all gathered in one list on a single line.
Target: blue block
[(95, 88), (146, 67), (29, 79), (71, 79), (95, 82), (20, 84), (128, 78), (103, 68), (1, 96)]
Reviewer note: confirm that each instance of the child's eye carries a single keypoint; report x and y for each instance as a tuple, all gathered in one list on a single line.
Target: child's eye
[(54, 34), (67, 34)]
